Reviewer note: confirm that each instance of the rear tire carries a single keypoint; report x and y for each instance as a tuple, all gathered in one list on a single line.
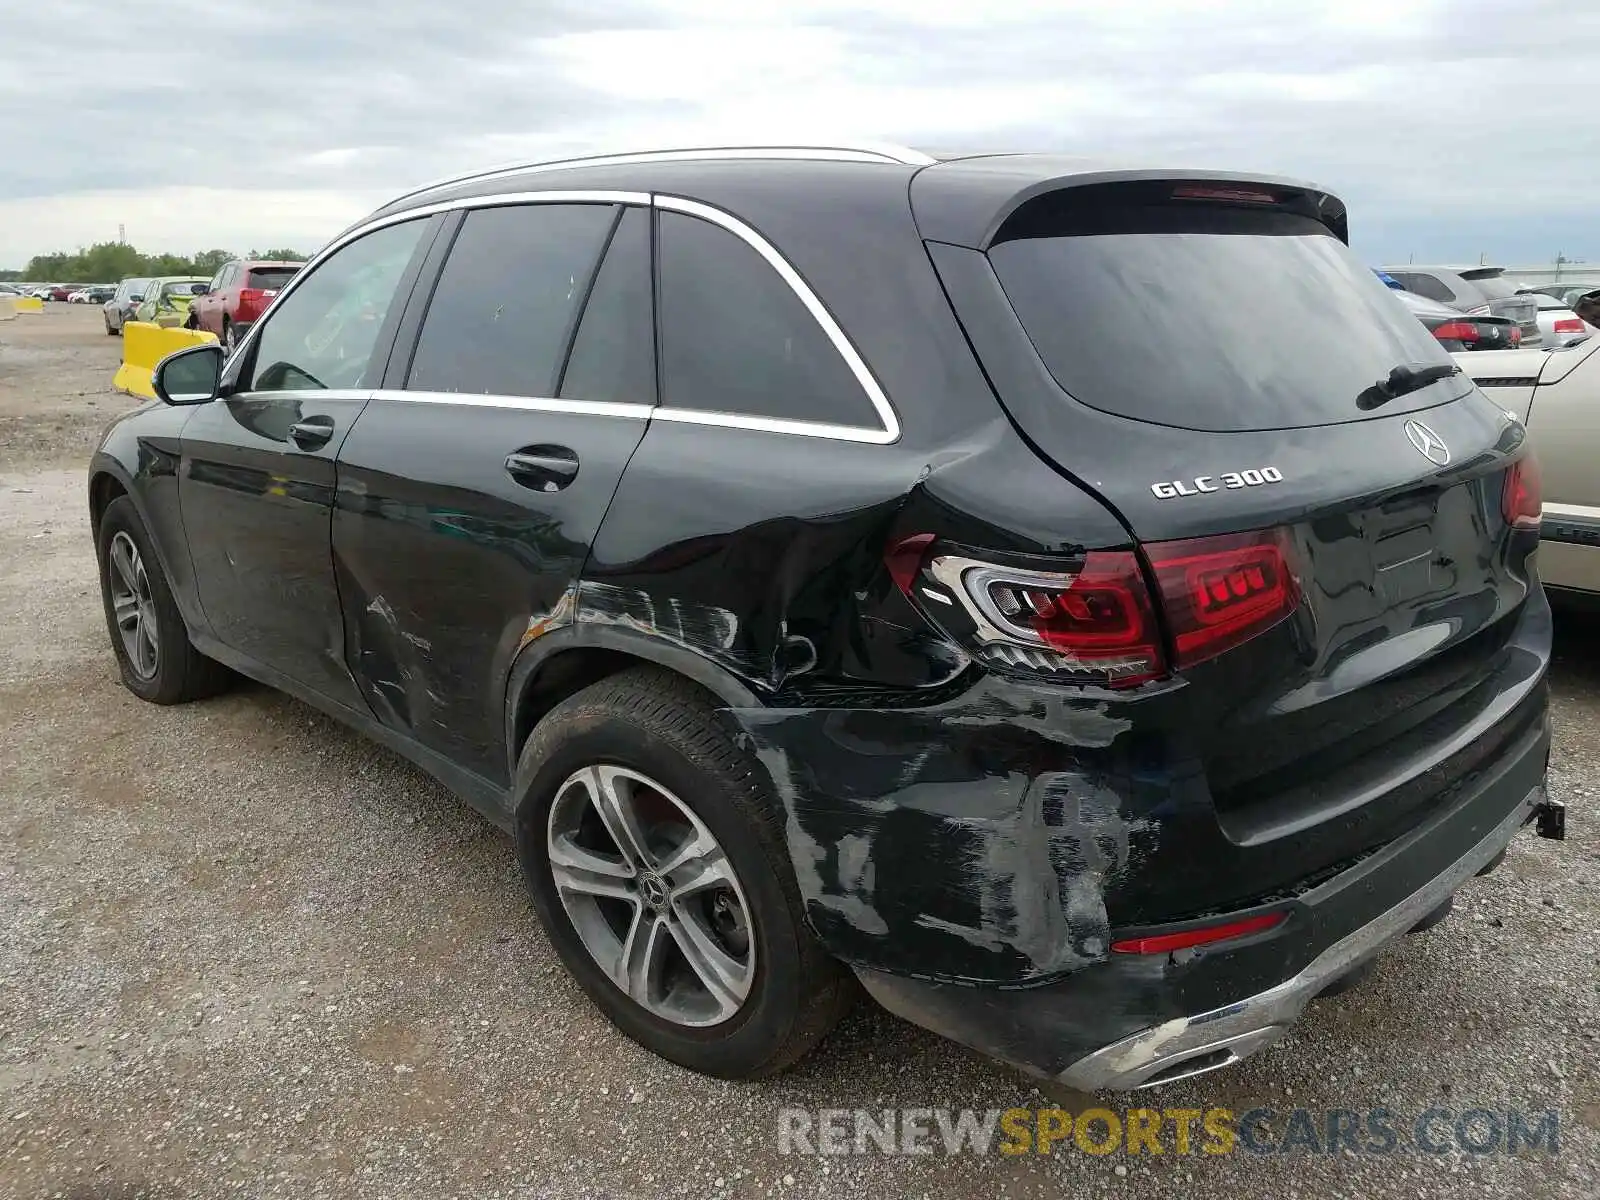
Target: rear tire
[(775, 993), (157, 661)]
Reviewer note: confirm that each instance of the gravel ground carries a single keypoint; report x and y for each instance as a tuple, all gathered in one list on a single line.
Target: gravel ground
[(248, 953)]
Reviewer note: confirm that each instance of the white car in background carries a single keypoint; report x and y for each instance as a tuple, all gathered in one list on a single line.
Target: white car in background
[(1558, 323), (81, 296), (1557, 393)]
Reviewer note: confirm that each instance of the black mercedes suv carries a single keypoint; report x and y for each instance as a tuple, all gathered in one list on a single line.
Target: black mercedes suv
[(1078, 602)]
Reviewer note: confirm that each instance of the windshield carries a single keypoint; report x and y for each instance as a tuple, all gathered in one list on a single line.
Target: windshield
[(179, 289), (271, 278), (1215, 319)]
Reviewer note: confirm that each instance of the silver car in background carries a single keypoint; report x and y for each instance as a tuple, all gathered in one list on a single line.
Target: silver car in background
[(1558, 323), (119, 309), (1567, 293), (1474, 290)]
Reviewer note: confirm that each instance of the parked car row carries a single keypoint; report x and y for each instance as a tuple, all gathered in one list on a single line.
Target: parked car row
[(227, 304), (1477, 308)]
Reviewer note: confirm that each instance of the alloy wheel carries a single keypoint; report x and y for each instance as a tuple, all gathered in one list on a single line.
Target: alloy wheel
[(133, 606), (652, 895)]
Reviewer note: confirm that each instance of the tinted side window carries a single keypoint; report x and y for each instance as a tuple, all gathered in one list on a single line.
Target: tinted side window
[(502, 311), (322, 335), (1430, 286), (736, 339), (614, 352)]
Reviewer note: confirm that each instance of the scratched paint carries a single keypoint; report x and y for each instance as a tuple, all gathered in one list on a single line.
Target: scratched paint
[(982, 853)]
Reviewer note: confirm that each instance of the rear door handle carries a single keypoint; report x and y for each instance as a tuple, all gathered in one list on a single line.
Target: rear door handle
[(543, 468), (312, 432)]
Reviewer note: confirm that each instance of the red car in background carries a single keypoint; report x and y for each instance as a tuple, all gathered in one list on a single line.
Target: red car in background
[(237, 296)]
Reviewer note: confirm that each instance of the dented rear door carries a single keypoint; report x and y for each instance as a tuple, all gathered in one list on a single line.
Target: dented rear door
[(470, 493)]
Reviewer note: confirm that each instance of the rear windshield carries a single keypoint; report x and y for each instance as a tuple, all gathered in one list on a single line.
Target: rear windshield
[(1211, 318), (271, 278), (1495, 287)]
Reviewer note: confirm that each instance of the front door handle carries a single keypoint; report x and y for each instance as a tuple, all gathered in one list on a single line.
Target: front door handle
[(312, 432), (543, 468)]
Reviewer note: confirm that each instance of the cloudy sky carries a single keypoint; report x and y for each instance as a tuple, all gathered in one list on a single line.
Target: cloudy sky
[(1453, 128)]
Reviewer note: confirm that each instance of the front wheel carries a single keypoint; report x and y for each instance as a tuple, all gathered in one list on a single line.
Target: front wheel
[(655, 855), (157, 661)]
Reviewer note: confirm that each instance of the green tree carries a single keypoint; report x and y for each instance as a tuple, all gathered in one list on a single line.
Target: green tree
[(107, 262), (279, 255), (209, 262)]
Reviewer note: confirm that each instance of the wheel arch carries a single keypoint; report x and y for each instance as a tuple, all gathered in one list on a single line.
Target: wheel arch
[(564, 662), (105, 485)]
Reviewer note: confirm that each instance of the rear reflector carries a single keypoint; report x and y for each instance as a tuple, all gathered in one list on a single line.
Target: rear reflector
[(1221, 591), (1165, 943), (1522, 496)]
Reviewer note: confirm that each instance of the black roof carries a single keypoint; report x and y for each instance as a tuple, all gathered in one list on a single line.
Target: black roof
[(961, 199)]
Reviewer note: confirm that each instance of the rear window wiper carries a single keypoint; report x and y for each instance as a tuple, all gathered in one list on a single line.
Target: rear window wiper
[(1403, 380)]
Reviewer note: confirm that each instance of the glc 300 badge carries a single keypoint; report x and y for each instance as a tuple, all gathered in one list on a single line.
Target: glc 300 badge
[(1226, 482)]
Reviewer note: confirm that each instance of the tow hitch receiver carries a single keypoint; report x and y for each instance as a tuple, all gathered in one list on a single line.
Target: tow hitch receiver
[(1552, 819)]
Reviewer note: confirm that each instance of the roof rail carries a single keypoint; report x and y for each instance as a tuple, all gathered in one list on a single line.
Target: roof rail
[(853, 152)]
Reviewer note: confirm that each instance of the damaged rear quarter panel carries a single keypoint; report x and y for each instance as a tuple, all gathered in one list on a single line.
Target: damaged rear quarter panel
[(975, 840), (942, 823)]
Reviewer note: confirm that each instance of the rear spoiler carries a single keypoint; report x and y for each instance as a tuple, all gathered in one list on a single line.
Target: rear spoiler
[(966, 201)]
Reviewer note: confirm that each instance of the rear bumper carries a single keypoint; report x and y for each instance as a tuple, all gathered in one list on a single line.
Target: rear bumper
[(1134, 1020), (1222, 1036)]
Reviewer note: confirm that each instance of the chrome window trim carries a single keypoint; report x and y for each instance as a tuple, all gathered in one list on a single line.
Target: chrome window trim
[(890, 431), (816, 429), (590, 408), (422, 213), (300, 394), (878, 152)]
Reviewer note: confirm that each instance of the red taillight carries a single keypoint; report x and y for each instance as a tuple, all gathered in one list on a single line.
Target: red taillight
[(1522, 495), (1165, 943), (1456, 331), (904, 560), (251, 298), (1094, 624), (1221, 591), (1569, 325), (1097, 623), (1100, 616), (1515, 334)]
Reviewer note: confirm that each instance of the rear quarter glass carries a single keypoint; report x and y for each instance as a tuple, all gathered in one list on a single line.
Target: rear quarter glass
[(1211, 318)]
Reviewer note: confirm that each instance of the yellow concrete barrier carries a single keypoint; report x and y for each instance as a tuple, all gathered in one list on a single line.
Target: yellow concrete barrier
[(8, 308), (143, 347), (30, 304)]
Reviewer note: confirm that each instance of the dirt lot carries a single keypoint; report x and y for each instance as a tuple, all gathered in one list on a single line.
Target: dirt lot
[(247, 953)]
